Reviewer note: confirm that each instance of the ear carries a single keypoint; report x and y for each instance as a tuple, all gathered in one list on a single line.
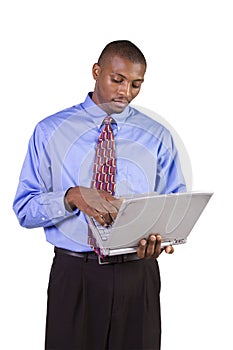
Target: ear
[(96, 71)]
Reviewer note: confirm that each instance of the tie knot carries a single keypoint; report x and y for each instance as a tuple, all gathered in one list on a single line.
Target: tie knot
[(108, 120)]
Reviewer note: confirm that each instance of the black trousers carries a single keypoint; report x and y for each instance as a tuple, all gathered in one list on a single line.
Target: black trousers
[(103, 307)]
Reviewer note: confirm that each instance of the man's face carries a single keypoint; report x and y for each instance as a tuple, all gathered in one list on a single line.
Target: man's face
[(118, 82)]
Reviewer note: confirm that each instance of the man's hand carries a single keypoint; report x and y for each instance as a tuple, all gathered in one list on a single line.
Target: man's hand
[(152, 247), (97, 203)]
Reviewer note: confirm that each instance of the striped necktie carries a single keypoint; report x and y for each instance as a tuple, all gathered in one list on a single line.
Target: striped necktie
[(104, 170), (105, 159)]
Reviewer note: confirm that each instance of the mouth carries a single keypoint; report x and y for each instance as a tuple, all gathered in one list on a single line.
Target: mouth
[(120, 102)]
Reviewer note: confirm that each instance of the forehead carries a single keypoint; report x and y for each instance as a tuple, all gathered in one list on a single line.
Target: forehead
[(124, 67)]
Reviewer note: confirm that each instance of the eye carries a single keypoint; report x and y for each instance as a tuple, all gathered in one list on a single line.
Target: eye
[(117, 80), (136, 85)]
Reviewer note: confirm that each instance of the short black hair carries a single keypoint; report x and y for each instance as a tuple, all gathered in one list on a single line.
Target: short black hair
[(124, 49)]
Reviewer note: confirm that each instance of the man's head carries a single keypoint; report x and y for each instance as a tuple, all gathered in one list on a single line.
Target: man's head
[(119, 74)]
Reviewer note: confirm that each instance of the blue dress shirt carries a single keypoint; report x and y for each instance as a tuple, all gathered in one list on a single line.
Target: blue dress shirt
[(61, 154)]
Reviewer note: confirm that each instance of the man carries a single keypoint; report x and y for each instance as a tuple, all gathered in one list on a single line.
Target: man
[(93, 306)]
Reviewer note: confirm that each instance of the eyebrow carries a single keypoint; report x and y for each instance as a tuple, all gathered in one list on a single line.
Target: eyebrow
[(121, 75)]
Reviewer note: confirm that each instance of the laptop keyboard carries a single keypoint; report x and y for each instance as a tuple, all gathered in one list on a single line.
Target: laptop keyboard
[(103, 231)]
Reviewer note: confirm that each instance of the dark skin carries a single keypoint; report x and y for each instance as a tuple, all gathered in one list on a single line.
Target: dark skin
[(117, 82)]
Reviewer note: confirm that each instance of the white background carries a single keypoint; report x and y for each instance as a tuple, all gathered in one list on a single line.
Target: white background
[(47, 51)]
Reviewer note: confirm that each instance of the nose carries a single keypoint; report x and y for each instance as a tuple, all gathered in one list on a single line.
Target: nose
[(125, 90)]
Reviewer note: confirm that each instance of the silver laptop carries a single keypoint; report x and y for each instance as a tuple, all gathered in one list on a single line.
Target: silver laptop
[(171, 215)]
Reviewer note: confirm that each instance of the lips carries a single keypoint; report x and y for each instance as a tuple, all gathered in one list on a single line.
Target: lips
[(121, 102)]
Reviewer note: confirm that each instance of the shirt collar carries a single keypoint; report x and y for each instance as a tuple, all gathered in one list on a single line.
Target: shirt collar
[(99, 114)]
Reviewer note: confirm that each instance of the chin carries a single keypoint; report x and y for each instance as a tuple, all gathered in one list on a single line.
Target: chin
[(113, 108), (117, 110)]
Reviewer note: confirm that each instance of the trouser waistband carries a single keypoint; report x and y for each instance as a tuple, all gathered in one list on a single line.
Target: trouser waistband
[(115, 259)]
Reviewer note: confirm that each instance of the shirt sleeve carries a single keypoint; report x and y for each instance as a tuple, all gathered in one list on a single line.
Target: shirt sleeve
[(36, 204), (169, 177)]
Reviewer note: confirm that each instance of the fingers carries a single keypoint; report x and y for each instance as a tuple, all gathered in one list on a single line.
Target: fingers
[(110, 203), (105, 208), (97, 203), (150, 248), (141, 251), (169, 249), (153, 246), (103, 218)]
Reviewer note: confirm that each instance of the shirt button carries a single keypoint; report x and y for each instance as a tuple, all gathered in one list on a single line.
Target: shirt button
[(43, 219), (59, 212)]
